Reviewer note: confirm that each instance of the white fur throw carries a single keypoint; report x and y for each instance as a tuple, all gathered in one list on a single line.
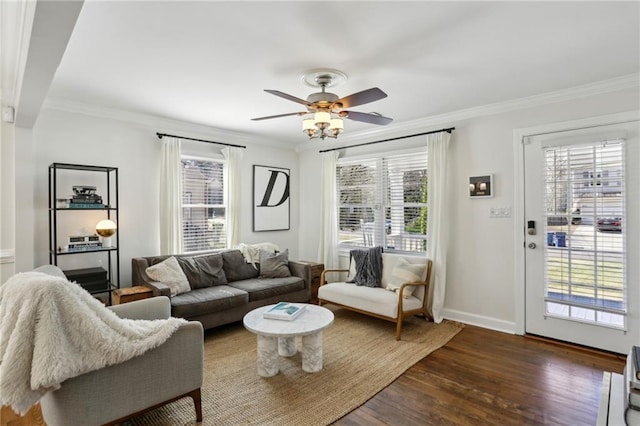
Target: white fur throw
[(251, 252), (52, 330)]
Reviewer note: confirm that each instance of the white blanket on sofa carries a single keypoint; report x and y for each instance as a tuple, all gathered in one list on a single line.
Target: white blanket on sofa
[(251, 252), (52, 330)]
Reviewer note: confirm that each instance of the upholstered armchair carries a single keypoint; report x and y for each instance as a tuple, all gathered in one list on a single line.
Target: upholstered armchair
[(111, 395)]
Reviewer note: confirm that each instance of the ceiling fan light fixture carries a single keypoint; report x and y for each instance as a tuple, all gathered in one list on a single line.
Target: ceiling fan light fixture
[(325, 111), (309, 126), (336, 124), (322, 119)]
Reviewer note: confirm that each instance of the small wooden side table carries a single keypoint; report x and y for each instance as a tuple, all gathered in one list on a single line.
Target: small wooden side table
[(314, 279), (129, 294)]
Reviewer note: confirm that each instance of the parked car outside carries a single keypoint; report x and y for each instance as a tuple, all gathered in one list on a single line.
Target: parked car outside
[(613, 224)]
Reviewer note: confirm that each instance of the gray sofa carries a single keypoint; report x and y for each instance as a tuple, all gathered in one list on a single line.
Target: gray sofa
[(224, 287)]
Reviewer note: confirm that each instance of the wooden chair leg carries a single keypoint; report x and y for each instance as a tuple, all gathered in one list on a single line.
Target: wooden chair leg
[(399, 328), (197, 402)]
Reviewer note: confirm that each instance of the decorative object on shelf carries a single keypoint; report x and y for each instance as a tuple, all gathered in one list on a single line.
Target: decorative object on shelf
[(271, 201), (84, 242), (325, 111), (481, 186), (85, 197), (106, 228)]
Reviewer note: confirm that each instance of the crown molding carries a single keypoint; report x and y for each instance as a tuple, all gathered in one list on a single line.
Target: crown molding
[(451, 118), (169, 125), (16, 22), (161, 124)]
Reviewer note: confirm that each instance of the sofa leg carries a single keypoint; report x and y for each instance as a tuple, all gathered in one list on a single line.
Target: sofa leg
[(398, 329), (197, 402)]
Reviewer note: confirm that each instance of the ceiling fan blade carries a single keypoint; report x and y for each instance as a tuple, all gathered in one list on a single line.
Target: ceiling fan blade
[(367, 117), (279, 115), (361, 98), (289, 97)]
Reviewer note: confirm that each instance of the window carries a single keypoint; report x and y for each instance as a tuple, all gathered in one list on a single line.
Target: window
[(203, 204), (585, 251), (382, 201)]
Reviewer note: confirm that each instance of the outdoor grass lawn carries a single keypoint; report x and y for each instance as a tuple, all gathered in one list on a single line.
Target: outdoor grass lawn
[(589, 278)]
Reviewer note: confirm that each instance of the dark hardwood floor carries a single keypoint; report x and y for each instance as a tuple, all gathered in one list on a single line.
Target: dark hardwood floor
[(482, 377)]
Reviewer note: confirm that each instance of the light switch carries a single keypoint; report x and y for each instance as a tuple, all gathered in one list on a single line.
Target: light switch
[(500, 212)]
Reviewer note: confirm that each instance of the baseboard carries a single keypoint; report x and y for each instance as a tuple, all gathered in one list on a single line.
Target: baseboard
[(480, 321)]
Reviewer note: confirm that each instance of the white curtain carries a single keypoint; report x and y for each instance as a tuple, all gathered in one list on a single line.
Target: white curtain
[(233, 194), (170, 197), (437, 223), (328, 249)]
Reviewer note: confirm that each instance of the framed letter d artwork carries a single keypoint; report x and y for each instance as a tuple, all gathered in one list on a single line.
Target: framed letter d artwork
[(271, 198)]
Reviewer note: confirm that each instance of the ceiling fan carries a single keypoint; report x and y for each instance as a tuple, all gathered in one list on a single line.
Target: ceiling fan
[(326, 110)]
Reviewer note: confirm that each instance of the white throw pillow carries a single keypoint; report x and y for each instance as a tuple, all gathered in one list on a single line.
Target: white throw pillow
[(169, 273), (405, 272)]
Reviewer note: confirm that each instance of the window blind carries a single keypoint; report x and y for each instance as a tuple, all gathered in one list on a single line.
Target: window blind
[(585, 219), (382, 201), (203, 205)]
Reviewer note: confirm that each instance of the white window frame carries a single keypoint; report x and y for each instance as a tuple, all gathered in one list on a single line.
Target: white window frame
[(380, 227), (186, 207)]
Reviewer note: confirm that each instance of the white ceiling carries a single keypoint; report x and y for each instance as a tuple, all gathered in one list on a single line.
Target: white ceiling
[(208, 62)]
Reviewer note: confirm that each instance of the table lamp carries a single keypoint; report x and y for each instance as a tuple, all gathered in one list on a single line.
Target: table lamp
[(106, 228)]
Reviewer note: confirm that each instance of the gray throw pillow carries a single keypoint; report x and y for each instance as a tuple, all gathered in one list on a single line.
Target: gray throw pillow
[(236, 267), (203, 271), (274, 265)]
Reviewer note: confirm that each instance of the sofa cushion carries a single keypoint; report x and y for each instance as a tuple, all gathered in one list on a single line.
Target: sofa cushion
[(274, 265), (206, 300), (236, 267), (169, 273), (376, 300), (263, 288), (203, 271), (405, 272)]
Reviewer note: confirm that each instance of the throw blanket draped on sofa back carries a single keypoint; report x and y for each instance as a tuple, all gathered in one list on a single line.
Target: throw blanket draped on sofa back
[(52, 330), (368, 264)]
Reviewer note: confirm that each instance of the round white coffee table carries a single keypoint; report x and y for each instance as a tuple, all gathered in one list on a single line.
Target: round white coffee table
[(277, 337)]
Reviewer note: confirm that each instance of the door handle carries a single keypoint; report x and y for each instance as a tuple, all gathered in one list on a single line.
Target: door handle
[(532, 245)]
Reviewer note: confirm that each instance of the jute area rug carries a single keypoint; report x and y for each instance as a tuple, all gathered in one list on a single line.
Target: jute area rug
[(361, 357)]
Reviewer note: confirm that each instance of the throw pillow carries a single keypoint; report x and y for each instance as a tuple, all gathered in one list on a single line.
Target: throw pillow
[(236, 268), (368, 266), (405, 272), (169, 273), (203, 271), (274, 265)]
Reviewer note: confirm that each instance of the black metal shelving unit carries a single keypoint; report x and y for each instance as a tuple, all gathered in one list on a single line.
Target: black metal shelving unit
[(110, 201)]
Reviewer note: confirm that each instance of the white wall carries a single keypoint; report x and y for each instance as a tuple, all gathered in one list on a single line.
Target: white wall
[(135, 149), (480, 268)]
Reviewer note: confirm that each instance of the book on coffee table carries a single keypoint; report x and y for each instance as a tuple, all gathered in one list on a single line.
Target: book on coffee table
[(284, 311)]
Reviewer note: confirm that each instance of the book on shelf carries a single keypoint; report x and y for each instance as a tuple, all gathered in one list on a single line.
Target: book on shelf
[(635, 351), (631, 384), (85, 206), (284, 311)]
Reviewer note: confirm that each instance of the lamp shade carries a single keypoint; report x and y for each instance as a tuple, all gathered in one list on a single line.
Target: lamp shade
[(322, 117), (308, 124), (337, 124), (106, 228)]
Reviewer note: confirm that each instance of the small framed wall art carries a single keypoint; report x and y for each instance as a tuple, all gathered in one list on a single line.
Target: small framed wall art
[(271, 198), (481, 186)]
